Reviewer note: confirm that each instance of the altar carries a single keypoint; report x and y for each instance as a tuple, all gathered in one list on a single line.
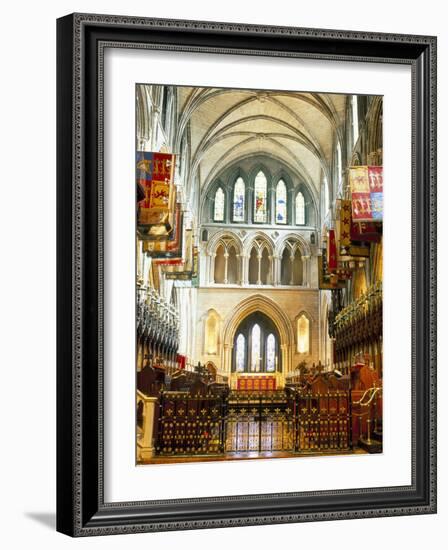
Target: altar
[(256, 381)]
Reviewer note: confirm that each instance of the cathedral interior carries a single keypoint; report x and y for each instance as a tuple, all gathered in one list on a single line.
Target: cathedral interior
[(258, 274)]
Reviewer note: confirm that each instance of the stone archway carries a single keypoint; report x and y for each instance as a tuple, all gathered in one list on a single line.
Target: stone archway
[(265, 305)]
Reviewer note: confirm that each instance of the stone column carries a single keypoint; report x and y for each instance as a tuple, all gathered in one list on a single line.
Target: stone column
[(227, 363), (285, 359), (244, 276), (204, 268), (211, 268), (291, 259), (306, 271), (276, 279), (259, 256), (146, 444), (239, 268), (226, 260)]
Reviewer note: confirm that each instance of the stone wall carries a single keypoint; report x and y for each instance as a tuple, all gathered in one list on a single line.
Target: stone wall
[(231, 306)]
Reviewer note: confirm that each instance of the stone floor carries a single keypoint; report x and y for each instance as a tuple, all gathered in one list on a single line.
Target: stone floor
[(242, 456)]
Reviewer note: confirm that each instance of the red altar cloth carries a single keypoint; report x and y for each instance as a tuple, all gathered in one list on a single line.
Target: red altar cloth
[(256, 383)]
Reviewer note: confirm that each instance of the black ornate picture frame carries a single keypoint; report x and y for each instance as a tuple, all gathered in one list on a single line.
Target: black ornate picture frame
[(81, 40)]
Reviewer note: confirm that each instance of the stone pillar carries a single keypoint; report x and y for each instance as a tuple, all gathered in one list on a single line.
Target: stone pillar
[(239, 269), (211, 268), (276, 279), (226, 261), (306, 271), (146, 444), (313, 271), (204, 268), (291, 260), (285, 359), (227, 362), (244, 270)]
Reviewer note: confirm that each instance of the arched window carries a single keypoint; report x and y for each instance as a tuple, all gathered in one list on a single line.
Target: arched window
[(255, 359), (281, 203), (303, 334), (260, 264), (291, 265), (227, 258), (300, 209), (218, 209), (256, 345), (239, 192), (240, 355), (260, 193), (270, 353)]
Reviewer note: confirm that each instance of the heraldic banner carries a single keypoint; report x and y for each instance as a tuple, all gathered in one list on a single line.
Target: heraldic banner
[(366, 185), (154, 173)]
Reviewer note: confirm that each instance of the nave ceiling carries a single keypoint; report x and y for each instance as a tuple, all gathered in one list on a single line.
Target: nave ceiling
[(226, 125)]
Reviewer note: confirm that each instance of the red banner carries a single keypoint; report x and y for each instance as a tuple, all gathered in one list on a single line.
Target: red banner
[(345, 217), (365, 231), (332, 257)]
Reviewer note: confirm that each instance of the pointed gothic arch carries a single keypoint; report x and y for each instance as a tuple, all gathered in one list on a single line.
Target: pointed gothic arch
[(265, 305)]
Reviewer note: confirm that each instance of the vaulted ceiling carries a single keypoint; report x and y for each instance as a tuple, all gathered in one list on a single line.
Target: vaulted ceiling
[(228, 124)]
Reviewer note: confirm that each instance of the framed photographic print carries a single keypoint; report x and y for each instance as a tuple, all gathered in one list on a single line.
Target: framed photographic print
[(246, 274)]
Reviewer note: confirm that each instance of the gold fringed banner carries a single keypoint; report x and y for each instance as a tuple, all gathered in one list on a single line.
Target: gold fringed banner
[(154, 173), (366, 185), (344, 230), (171, 246)]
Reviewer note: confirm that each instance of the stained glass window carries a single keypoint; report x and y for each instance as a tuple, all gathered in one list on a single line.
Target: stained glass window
[(256, 349), (260, 190), (218, 213), (240, 353), (280, 202), (270, 353), (238, 200), (300, 209)]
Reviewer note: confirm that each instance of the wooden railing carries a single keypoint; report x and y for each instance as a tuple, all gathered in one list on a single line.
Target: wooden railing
[(367, 420)]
